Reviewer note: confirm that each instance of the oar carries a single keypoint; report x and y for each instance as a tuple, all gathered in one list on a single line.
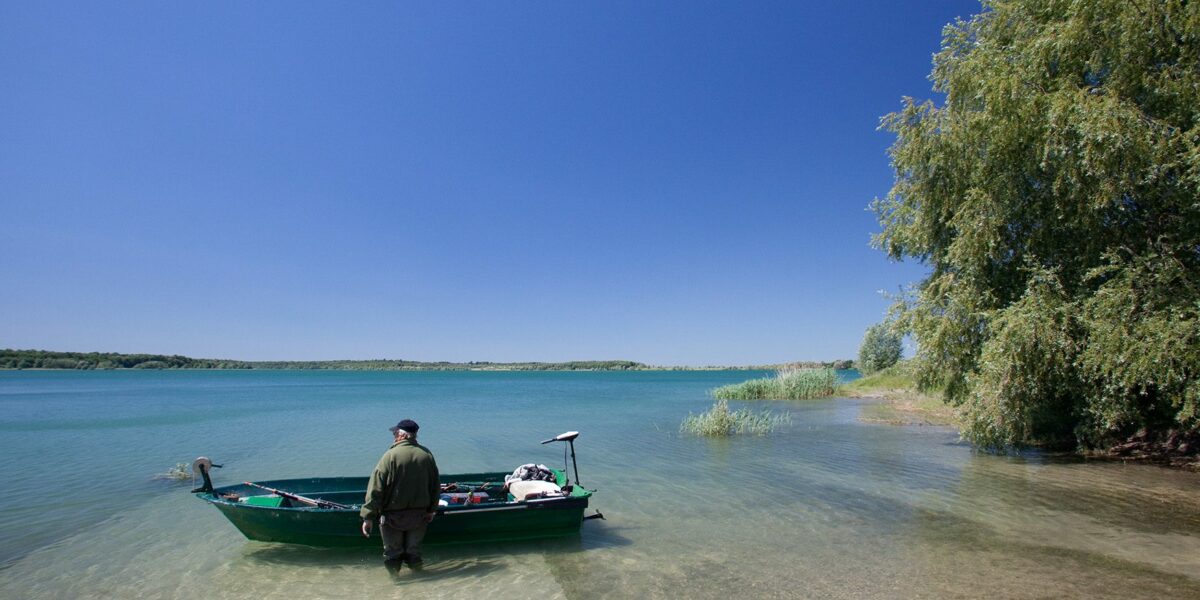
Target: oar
[(299, 498)]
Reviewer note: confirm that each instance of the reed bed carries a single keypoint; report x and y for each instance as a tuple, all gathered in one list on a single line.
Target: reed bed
[(719, 421), (791, 384)]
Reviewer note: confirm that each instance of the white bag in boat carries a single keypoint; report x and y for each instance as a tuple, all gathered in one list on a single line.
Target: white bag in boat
[(523, 490), (530, 472)]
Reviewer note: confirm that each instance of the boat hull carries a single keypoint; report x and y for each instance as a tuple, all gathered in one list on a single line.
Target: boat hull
[(492, 521)]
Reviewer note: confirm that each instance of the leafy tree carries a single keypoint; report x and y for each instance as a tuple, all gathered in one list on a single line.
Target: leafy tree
[(881, 348), (1055, 196)]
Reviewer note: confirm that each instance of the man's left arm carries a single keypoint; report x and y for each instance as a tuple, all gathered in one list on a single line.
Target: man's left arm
[(374, 501), (435, 490)]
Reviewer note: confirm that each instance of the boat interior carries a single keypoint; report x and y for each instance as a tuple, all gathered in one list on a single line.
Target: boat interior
[(458, 491)]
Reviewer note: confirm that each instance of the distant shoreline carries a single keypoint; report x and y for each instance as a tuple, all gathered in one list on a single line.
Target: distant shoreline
[(46, 360), (552, 368)]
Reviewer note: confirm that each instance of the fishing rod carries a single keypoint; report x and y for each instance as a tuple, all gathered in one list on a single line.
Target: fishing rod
[(465, 485), (298, 498)]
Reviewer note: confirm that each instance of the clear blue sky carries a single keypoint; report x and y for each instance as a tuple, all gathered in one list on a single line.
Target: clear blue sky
[(673, 183)]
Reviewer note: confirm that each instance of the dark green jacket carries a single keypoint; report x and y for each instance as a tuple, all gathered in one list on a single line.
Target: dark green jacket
[(406, 477)]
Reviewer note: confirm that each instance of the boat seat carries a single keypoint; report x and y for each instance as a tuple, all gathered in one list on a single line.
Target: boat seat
[(271, 501), (523, 489)]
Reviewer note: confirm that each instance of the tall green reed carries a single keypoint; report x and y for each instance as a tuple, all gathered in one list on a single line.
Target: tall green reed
[(789, 384), (719, 421)]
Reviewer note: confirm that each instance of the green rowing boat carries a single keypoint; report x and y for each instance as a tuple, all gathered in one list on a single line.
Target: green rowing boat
[(476, 507)]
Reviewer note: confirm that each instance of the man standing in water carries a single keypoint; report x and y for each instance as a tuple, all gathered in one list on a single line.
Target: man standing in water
[(402, 495)]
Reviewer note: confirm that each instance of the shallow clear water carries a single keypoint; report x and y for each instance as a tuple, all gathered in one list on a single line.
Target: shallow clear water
[(827, 507)]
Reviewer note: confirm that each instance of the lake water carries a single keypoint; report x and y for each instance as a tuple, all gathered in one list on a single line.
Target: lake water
[(827, 507)]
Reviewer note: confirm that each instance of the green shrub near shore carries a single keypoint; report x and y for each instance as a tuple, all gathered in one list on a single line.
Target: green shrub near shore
[(799, 384), (719, 421), (881, 348)]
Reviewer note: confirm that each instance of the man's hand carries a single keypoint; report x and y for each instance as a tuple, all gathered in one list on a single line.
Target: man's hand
[(366, 527), (429, 516)]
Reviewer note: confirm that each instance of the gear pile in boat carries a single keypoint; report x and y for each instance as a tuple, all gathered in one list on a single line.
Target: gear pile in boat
[(530, 472)]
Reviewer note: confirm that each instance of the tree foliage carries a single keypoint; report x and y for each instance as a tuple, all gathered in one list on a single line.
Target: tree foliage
[(1055, 196), (881, 348)]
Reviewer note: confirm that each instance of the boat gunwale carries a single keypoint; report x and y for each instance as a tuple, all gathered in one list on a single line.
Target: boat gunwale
[(214, 497)]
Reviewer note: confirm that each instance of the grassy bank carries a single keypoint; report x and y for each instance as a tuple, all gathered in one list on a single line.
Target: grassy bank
[(793, 384), (902, 403), (719, 421)]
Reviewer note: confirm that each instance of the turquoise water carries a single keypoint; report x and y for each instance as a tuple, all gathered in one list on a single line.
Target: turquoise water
[(828, 506)]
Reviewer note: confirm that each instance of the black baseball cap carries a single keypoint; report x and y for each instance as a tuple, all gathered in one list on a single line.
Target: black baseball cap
[(407, 425)]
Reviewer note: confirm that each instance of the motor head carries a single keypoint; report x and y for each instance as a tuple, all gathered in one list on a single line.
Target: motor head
[(563, 437), (201, 463), (203, 466)]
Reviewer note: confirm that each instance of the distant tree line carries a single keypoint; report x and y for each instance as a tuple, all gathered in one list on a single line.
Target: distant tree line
[(812, 364), (44, 359), (403, 365)]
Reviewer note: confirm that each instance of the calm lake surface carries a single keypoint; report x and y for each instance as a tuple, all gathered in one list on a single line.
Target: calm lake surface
[(828, 507)]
